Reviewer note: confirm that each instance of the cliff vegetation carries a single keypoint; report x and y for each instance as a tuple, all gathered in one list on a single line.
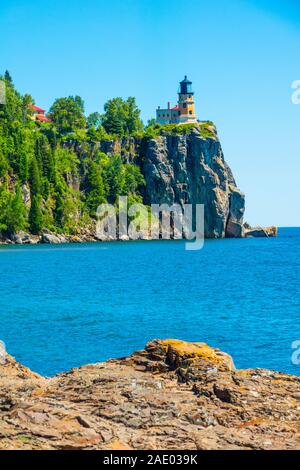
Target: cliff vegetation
[(53, 175)]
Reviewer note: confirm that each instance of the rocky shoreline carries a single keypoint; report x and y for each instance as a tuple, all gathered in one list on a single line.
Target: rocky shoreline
[(48, 237), (172, 395)]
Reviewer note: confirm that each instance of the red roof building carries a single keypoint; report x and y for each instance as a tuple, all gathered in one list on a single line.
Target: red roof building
[(38, 114)]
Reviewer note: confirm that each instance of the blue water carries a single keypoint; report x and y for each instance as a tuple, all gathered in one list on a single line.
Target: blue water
[(64, 306)]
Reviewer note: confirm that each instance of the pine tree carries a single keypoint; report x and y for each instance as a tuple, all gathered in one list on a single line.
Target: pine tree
[(114, 125), (114, 178), (8, 78), (35, 178), (45, 159), (35, 215), (95, 187)]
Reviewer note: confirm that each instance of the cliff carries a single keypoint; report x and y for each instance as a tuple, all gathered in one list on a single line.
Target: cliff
[(181, 164), (190, 169), (172, 395), (54, 175)]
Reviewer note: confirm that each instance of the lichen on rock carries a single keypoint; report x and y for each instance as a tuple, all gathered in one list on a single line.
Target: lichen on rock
[(171, 395)]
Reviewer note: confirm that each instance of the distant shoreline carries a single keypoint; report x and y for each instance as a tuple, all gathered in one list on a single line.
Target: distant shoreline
[(47, 237)]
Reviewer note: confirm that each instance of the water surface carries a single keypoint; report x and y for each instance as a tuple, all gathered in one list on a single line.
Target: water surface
[(64, 306)]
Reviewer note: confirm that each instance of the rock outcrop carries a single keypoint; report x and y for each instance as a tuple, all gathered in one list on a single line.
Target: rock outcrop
[(190, 169), (172, 395), (261, 232), (53, 238)]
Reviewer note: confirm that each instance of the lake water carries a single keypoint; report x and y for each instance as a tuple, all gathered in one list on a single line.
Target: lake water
[(65, 306)]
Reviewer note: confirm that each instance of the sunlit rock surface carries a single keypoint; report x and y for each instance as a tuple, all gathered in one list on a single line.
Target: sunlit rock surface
[(172, 395)]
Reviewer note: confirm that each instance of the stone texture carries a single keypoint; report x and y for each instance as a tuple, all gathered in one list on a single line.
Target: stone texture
[(190, 169), (54, 238), (23, 238), (26, 195), (172, 395), (261, 232)]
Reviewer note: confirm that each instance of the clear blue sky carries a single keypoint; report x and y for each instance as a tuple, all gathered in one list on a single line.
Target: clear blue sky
[(242, 56)]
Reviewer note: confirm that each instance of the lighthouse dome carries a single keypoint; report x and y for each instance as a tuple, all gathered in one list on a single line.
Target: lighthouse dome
[(185, 86)]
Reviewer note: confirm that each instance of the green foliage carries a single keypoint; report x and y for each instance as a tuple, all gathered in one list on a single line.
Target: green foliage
[(7, 78), (94, 120), (113, 177), (68, 176), (133, 179), (35, 215), (151, 123), (66, 161), (94, 187), (3, 165), (122, 117), (79, 101), (207, 130), (67, 114), (121, 179), (97, 135), (45, 157), (12, 211), (35, 178), (153, 130)]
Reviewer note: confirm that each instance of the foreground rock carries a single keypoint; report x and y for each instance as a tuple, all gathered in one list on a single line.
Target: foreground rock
[(172, 395)]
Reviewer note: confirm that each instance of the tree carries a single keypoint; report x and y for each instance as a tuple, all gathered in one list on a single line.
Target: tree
[(133, 121), (7, 78), (66, 161), (67, 114), (3, 165), (121, 179), (35, 215), (114, 125), (151, 122), (133, 179), (94, 187), (67, 204), (79, 101), (13, 212), (27, 100), (121, 117), (35, 178), (113, 177), (45, 158), (94, 120)]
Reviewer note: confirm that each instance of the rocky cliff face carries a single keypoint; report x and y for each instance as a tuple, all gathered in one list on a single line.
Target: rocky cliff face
[(180, 167), (172, 395), (190, 169)]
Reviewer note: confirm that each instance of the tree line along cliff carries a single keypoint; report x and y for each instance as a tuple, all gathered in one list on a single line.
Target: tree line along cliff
[(53, 175)]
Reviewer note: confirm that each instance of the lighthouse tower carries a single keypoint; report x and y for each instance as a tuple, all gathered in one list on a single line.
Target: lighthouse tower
[(186, 104), (184, 111)]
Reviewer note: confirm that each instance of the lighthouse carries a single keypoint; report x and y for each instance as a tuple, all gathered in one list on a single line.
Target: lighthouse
[(184, 111), (186, 103)]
